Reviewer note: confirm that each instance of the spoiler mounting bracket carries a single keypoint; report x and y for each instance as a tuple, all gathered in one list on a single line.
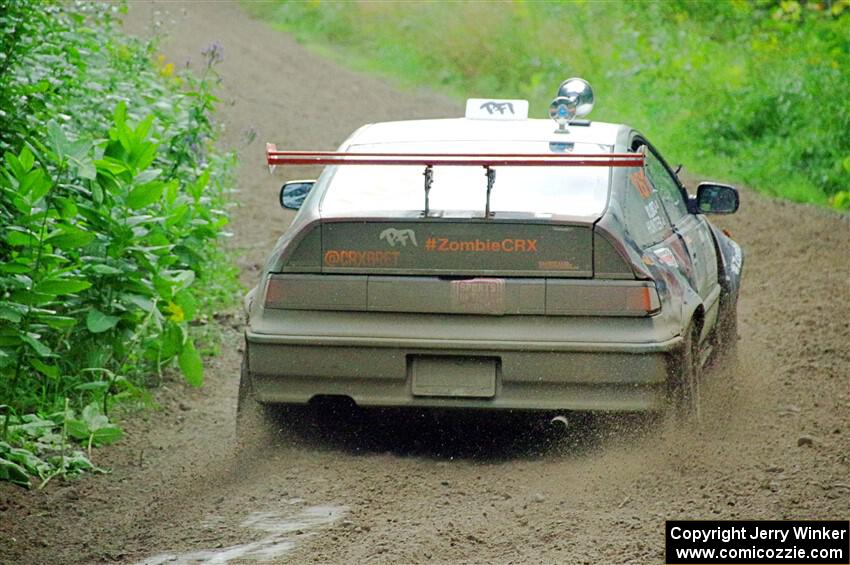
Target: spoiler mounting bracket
[(429, 180), (491, 181)]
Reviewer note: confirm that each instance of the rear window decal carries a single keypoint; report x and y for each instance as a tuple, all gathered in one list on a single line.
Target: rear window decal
[(355, 258), (556, 266), (508, 245), (394, 236)]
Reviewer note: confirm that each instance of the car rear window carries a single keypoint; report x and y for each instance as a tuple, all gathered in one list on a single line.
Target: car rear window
[(572, 191)]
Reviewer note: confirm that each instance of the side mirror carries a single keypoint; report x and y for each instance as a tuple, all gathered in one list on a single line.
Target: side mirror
[(292, 194), (713, 198)]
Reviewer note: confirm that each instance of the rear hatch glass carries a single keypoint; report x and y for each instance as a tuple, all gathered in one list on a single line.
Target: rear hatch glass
[(457, 247), (542, 222), (544, 191)]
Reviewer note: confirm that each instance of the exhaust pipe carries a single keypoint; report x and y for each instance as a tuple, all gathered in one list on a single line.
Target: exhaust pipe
[(560, 423)]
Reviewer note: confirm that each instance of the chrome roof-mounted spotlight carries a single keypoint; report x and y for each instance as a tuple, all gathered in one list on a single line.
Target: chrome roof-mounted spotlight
[(574, 100)]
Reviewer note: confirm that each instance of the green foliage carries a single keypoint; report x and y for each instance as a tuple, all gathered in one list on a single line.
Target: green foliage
[(112, 200), (841, 200), (748, 90), (93, 427), (39, 446)]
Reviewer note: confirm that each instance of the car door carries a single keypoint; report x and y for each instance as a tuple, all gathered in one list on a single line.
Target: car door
[(693, 229)]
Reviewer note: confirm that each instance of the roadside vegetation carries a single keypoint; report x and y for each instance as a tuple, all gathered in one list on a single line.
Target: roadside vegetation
[(754, 92), (112, 203)]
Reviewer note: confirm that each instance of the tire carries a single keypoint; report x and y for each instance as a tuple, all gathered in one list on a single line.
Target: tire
[(686, 378)]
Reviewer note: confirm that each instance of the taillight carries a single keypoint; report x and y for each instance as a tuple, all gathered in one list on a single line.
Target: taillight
[(616, 298), (315, 292), (552, 296), (643, 299), (601, 298), (274, 293)]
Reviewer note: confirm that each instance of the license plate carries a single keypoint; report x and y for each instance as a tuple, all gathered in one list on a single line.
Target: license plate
[(479, 296), (454, 376)]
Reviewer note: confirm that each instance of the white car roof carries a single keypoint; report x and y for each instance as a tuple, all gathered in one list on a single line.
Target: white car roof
[(465, 129)]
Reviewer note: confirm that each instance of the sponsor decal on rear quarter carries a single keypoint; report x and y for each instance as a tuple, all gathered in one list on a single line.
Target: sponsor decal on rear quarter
[(667, 257), (641, 183)]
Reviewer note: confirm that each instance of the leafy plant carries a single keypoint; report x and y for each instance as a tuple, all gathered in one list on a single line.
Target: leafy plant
[(110, 219), (93, 428), (38, 447), (16, 465)]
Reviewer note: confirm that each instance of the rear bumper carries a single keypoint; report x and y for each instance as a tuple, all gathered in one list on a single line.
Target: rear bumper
[(538, 372)]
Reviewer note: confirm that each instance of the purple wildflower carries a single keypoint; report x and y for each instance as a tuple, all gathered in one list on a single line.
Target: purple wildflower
[(213, 53)]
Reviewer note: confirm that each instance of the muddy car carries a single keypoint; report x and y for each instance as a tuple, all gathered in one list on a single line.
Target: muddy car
[(493, 262)]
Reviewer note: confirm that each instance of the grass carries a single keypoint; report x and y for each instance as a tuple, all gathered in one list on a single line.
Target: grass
[(744, 91)]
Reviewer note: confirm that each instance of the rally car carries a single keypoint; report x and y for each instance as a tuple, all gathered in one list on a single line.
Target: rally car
[(493, 262)]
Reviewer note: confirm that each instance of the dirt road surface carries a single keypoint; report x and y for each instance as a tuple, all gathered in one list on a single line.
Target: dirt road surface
[(402, 489)]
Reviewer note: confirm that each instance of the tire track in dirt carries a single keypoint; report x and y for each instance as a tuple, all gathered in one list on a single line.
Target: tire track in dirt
[(465, 490)]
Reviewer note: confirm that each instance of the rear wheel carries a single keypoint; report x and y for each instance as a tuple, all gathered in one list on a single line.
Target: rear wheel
[(686, 377)]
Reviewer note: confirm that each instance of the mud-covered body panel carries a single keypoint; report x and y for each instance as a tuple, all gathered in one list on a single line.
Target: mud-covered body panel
[(542, 362), (559, 311), (731, 263)]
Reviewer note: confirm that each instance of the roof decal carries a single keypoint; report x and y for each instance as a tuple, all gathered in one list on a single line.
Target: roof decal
[(493, 109)]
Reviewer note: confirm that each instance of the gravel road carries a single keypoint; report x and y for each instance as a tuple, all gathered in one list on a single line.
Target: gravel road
[(404, 488)]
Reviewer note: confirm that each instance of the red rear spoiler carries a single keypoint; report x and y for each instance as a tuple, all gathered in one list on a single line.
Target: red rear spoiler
[(430, 160), (275, 157)]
